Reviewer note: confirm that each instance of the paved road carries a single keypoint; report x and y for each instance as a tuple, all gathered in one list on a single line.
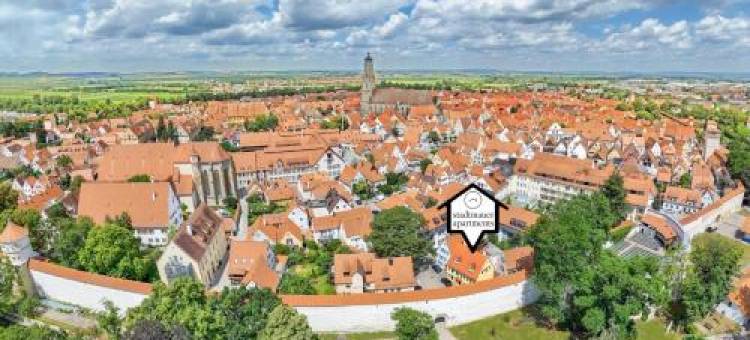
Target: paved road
[(730, 225), (242, 225), (428, 279), (443, 332)]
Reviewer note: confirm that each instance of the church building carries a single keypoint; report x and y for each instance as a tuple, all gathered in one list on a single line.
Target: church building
[(375, 100)]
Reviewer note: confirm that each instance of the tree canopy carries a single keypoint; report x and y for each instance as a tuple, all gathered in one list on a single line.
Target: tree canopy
[(113, 250), (399, 231), (584, 287), (285, 323), (412, 324), (234, 314), (714, 262), (614, 190)]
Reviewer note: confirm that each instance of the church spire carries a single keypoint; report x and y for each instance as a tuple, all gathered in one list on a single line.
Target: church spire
[(368, 85)]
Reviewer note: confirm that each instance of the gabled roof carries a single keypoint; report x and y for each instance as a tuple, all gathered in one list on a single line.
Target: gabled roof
[(13, 233), (147, 204)]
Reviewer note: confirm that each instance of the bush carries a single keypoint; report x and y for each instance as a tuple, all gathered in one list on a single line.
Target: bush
[(412, 324)]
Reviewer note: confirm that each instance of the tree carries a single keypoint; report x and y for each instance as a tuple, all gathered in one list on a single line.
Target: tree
[(63, 162), (614, 191), (433, 136), (686, 180), (183, 304), (363, 190), (18, 332), (57, 211), (109, 320), (262, 123), (246, 311), (584, 287), (151, 329), (8, 197), (228, 146), (339, 123), (399, 232), (295, 284), (424, 163), (412, 324), (285, 323), (230, 203), (41, 233), (161, 130), (714, 263), (140, 178), (739, 158), (393, 183), (75, 184), (8, 278), (122, 220), (70, 239), (113, 250), (205, 133)]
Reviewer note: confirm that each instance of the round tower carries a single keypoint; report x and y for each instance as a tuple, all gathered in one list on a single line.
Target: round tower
[(16, 245)]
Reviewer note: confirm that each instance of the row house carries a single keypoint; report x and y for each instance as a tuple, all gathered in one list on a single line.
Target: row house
[(197, 249), (350, 227), (364, 273), (153, 208)]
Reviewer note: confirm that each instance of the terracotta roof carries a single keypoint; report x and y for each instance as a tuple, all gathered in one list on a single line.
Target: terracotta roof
[(13, 233), (463, 260), (404, 199), (196, 234), (382, 273), (146, 203), (355, 222), (518, 217), (739, 190), (565, 169), (247, 259), (660, 225), (520, 258), (157, 160), (682, 195), (90, 278), (276, 227)]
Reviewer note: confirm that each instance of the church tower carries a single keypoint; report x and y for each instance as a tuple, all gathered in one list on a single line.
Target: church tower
[(368, 86), (711, 139)]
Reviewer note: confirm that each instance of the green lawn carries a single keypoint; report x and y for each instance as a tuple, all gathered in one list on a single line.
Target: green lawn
[(360, 336), (515, 325), (521, 325), (654, 330)]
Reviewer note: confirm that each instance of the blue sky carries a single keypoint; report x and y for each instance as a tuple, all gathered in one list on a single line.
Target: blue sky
[(246, 35)]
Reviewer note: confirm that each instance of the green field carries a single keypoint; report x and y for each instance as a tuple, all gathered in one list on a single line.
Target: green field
[(361, 336), (522, 325), (654, 330), (515, 325)]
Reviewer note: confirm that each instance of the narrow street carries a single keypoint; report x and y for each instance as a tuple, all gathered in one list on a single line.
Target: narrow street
[(241, 233)]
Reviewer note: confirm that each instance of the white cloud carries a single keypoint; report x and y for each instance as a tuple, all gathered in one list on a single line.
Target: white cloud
[(650, 33), (335, 14), (123, 34), (716, 28)]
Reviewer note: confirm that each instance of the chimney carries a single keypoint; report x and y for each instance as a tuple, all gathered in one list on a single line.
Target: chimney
[(390, 261)]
